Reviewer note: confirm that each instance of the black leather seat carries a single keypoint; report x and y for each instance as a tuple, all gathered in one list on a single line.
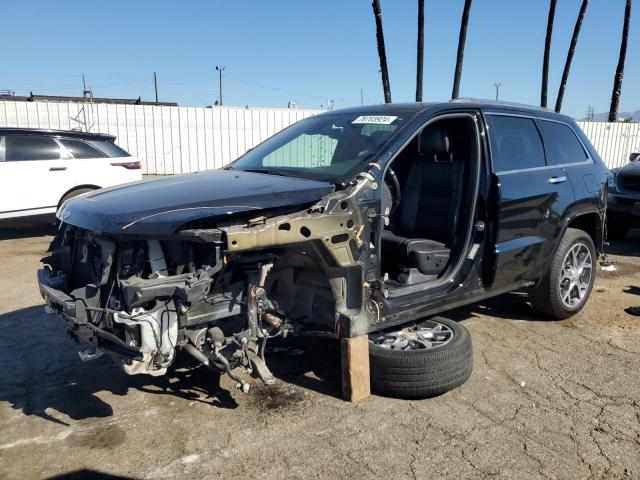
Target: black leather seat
[(424, 230)]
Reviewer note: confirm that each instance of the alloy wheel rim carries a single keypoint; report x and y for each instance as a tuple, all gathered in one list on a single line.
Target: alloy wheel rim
[(424, 336), (575, 275)]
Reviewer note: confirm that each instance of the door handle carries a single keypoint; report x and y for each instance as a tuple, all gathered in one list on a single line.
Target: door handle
[(57, 169), (554, 180)]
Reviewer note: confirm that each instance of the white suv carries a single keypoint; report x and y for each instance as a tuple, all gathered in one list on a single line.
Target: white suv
[(41, 169)]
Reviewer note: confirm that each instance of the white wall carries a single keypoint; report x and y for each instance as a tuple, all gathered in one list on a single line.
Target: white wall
[(187, 139), (613, 141), (167, 139)]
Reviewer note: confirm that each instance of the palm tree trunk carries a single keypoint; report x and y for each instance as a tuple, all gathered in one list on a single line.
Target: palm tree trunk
[(420, 59), (381, 51), (617, 81), (461, 41), (572, 49), (547, 48)]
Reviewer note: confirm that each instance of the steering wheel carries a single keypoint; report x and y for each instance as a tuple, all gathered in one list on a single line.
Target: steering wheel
[(395, 188)]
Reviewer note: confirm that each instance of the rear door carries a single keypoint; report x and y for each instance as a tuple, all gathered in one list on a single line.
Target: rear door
[(94, 164), (33, 174), (566, 151), (532, 199)]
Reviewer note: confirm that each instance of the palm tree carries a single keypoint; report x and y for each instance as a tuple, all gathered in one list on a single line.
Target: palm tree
[(572, 49), (547, 48), (461, 40), (617, 81), (420, 51), (381, 51)]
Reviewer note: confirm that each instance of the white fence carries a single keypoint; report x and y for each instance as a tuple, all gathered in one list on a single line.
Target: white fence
[(613, 141), (172, 140), (168, 140)]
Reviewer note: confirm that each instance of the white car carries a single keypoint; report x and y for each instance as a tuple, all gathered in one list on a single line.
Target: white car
[(41, 169)]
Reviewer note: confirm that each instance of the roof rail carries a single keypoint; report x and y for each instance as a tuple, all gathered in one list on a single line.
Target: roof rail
[(500, 103)]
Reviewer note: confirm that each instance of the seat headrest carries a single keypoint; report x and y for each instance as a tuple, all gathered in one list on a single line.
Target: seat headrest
[(435, 144)]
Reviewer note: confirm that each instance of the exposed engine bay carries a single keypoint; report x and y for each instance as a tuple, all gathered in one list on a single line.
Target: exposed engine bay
[(217, 289)]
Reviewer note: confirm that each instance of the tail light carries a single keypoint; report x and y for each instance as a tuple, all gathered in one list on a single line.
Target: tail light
[(128, 165)]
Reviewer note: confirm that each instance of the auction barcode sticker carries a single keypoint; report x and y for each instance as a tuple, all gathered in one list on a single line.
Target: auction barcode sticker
[(375, 119)]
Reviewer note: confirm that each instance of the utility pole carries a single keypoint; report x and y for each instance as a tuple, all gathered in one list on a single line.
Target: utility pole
[(155, 84), (220, 70), (361, 97), (590, 113), (497, 85)]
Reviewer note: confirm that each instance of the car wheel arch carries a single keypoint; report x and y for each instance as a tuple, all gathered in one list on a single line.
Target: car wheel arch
[(76, 188)]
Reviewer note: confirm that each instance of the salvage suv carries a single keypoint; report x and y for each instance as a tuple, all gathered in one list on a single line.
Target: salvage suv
[(364, 221)]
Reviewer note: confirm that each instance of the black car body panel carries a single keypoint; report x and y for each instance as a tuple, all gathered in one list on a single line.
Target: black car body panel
[(624, 194), (227, 255), (159, 206)]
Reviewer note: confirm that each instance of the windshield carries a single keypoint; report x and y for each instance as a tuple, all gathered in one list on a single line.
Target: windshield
[(325, 147)]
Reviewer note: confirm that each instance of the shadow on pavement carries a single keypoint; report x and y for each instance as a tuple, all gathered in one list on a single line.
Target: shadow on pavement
[(86, 474), (42, 373), (629, 247), (40, 226), (509, 306)]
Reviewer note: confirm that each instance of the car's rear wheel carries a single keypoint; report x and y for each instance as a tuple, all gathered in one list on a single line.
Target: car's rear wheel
[(566, 286), (74, 193), (421, 360), (616, 230)]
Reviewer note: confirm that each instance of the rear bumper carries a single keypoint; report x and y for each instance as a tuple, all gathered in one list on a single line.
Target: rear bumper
[(79, 326)]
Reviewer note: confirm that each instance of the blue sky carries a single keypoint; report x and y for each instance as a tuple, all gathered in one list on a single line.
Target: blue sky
[(309, 52)]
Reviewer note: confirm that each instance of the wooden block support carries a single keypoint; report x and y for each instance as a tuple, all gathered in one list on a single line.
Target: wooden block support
[(356, 384)]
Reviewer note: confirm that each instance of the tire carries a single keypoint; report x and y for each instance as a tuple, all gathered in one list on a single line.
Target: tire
[(546, 297), (616, 230), (425, 372), (74, 193)]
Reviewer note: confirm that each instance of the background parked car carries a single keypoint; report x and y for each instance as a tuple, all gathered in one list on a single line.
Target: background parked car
[(623, 207), (41, 169)]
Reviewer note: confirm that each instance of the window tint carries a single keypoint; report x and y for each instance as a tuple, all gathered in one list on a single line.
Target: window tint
[(515, 143), (331, 146), (561, 143), (80, 149), (30, 147), (110, 149)]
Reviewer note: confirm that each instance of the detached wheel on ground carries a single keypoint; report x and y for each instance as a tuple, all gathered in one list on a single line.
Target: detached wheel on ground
[(616, 230), (566, 286), (422, 360)]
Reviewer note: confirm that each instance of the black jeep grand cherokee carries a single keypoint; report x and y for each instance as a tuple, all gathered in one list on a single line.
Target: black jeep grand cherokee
[(364, 221)]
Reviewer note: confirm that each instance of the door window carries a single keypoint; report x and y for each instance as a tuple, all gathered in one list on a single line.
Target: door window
[(80, 149), (562, 145), (515, 143), (30, 147)]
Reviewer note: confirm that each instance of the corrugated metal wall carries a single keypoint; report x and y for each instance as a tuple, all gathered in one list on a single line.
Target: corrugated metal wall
[(613, 141), (168, 140), (172, 140)]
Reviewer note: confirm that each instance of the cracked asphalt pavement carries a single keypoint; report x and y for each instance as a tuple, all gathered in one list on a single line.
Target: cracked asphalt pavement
[(547, 399)]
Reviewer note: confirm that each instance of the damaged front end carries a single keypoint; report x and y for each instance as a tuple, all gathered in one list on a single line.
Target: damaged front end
[(217, 287)]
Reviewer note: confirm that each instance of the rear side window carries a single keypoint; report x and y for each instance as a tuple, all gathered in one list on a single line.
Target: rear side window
[(30, 147), (562, 144), (515, 143), (80, 149), (110, 149)]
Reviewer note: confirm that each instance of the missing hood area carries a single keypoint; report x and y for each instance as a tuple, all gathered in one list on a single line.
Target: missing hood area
[(217, 287)]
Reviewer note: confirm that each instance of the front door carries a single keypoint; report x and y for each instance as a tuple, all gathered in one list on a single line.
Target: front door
[(532, 198)]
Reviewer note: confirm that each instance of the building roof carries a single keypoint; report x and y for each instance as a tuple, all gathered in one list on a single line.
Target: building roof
[(57, 98)]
